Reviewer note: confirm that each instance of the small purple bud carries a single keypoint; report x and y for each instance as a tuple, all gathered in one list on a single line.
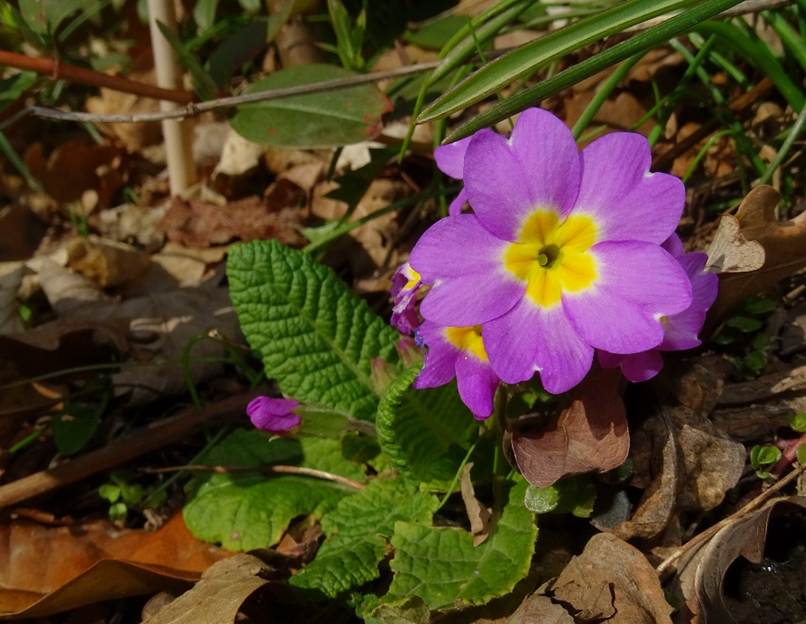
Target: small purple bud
[(273, 415)]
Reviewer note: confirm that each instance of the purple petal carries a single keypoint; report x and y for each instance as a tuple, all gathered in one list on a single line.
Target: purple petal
[(682, 330), (704, 285), (644, 274), (609, 360), (628, 202), (471, 299), (550, 158), (440, 361), (451, 157), (406, 322), (477, 383), (456, 246), (496, 185), (674, 246), (606, 321), (455, 207), (529, 338), (640, 367), (273, 415)]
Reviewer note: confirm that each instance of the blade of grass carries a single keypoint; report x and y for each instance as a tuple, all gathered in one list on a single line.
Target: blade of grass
[(722, 62), (537, 54), (603, 92), (692, 167), (796, 129), (759, 55), (793, 41), (646, 40)]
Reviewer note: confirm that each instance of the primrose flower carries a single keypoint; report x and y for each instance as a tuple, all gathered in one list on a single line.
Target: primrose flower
[(405, 284), (273, 415), (680, 330), (451, 161), (458, 352), (562, 254)]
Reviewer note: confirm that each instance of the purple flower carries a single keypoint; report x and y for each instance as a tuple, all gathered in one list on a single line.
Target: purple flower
[(680, 330), (562, 254), (458, 352), (273, 415), (405, 284), (451, 161)]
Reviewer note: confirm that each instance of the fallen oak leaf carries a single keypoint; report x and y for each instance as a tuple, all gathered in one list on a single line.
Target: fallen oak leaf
[(46, 570), (591, 434), (478, 514), (783, 246), (218, 596)]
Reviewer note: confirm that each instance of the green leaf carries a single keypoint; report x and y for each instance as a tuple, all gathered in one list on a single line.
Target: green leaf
[(339, 117), (574, 495), (45, 16), (409, 611), (74, 428), (424, 432), (317, 339), (681, 23), (358, 530), (801, 454), (13, 87), (759, 306), (433, 35), (528, 58), (798, 422), (762, 456), (203, 84), (745, 324), (204, 13), (236, 49), (441, 566), (242, 510)]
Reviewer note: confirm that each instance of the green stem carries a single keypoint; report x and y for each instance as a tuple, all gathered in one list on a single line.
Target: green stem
[(788, 143), (458, 474)]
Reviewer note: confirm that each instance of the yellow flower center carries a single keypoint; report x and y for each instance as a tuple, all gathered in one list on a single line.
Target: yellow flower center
[(552, 256), (412, 276), (468, 340)]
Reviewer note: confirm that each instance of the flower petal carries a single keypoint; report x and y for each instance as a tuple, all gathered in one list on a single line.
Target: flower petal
[(606, 321), (644, 274), (529, 338), (683, 329), (496, 184), (704, 285), (628, 201), (471, 299), (440, 360), (451, 157), (640, 367), (674, 246), (458, 202), (476, 383), (456, 246), (550, 158)]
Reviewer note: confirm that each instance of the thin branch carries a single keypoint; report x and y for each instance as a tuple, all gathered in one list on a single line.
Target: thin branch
[(120, 451), (272, 469), (191, 109), (80, 75), (754, 504)]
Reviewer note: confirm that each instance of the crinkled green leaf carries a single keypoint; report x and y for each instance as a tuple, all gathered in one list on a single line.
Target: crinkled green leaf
[(424, 432), (338, 117), (317, 339), (441, 565), (575, 495), (409, 611), (358, 530), (243, 511)]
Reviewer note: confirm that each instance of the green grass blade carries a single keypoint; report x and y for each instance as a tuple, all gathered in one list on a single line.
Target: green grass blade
[(758, 54), (536, 54), (657, 35), (793, 40), (796, 129)]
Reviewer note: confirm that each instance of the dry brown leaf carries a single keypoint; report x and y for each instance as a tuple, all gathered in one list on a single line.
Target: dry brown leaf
[(108, 263), (621, 112), (218, 596), (77, 166), (46, 570), (610, 581), (702, 570), (784, 247), (478, 514), (652, 62), (20, 232), (66, 290), (540, 609), (591, 434), (196, 223), (10, 279), (131, 223), (238, 155)]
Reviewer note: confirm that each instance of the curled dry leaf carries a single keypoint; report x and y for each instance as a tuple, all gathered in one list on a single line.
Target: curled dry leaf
[(590, 434), (218, 596), (610, 581), (108, 263), (735, 249), (702, 571), (46, 570)]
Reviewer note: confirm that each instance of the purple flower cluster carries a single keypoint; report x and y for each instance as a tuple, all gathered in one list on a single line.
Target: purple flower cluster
[(564, 253), (273, 415)]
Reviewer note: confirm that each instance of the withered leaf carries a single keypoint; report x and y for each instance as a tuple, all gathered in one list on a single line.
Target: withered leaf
[(591, 434), (46, 570)]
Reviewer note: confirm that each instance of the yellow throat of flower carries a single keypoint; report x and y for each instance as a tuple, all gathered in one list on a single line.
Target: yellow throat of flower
[(468, 340), (551, 256)]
